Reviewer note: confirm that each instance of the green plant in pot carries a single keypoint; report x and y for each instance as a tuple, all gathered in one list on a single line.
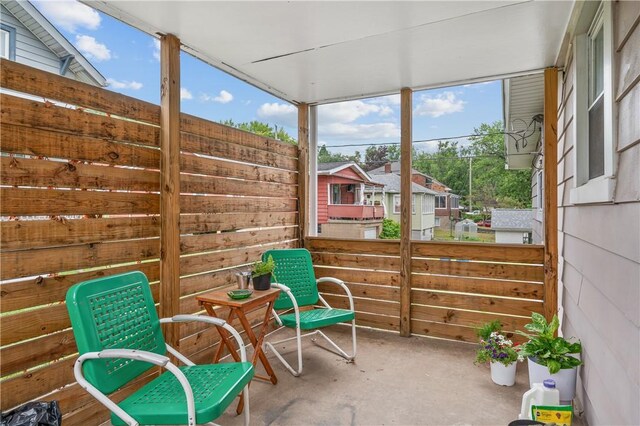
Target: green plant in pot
[(498, 350), (551, 356), (261, 273)]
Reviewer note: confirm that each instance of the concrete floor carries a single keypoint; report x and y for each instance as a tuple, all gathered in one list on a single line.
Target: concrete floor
[(393, 381)]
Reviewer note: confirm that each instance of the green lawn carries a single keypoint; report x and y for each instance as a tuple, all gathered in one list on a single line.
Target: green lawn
[(481, 237)]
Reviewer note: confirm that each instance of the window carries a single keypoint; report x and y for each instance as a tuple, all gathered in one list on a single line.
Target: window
[(428, 204), (455, 202), (396, 204), (437, 221), (441, 201), (7, 42), (594, 103), (335, 194)]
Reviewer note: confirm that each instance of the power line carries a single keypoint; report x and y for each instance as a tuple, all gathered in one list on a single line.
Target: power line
[(418, 141)]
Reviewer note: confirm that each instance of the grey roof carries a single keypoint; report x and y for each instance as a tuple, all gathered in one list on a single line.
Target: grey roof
[(330, 166), (512, 219), (391, 183)]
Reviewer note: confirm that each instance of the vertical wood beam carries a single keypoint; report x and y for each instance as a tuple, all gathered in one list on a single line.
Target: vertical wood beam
[(312, 231), (170, 183), (406, 106), (303, 170), (551, 192)]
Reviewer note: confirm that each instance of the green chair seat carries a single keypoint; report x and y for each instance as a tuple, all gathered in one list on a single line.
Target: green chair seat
[(162, 401), (317, 318)]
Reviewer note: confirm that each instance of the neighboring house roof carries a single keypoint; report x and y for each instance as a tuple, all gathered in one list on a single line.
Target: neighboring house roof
[(391, 184), (70, 57), (511, 219), (395, 168), (335, 167)]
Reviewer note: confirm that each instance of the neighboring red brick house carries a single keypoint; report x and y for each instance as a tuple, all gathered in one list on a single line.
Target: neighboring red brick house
[(343, 210), (447, 203)]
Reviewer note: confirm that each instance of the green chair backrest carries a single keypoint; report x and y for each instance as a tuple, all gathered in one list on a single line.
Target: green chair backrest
[(115, 312), (295, 270)]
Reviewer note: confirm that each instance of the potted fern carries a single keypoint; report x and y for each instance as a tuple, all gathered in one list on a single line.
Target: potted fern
[(499, 351), (551, 357), (261, 273)]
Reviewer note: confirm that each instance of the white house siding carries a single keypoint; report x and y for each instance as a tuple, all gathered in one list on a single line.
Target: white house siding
[(509, 237), (599, 245), (29, 50), (537, 202)]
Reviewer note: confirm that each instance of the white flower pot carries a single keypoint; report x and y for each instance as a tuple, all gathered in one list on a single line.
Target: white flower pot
[(504, 375), (565, 379)]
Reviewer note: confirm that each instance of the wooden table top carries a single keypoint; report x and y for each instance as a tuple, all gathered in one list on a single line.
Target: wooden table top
[(220, 297)]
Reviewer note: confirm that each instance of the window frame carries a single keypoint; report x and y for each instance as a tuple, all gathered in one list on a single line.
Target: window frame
[(445, 202), (399, 205), (598, 189), (11, 41)]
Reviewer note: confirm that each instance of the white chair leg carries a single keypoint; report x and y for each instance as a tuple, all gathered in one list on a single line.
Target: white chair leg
[(340, 351), (298, 338), (245, 396)]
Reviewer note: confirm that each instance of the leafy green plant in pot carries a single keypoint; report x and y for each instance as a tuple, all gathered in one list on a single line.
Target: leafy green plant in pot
[(551, 356), (496, 349), (261, 272)]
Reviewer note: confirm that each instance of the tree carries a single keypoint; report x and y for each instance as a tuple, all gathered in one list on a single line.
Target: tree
[(262, 129), (325, 156), (375, 156), (390, 230)]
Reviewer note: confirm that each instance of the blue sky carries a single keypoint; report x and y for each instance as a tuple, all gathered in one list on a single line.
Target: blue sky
[(129, 59)]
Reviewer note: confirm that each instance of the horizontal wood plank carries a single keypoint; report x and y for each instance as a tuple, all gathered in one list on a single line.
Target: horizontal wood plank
[(46, 115), (378, 307), (43, 143), (201, 223), (359, 276), (351, 246), (215, 167), (477, 303), (48, 202), (221, 204), (466, 318), (196, 184), (386, 263), (23, 356), (43, 173), (478, 286), (31, 234), (23, 78), (234, 151), (377, 292), (443, 331), (29, 324), (505, 271), (517, 253), (207, 242), (25, 263)]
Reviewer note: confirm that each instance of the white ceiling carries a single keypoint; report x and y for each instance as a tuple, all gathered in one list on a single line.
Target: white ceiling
[(319, 52)]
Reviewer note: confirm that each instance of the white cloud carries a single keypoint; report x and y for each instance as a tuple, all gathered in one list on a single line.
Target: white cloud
[(92, 48), (223, 97), (348, 112), (70, 14), (392, 100), (284, 114), (439, 105), (156, 49), (124, 85), (185, 93), (359, 131)]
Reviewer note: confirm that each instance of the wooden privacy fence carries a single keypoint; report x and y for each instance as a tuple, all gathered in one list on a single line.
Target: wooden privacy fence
[(454, 286), (80, 199)]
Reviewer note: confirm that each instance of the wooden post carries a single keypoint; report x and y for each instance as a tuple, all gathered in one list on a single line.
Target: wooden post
[(405, 210), (170, 183), (303, 170), (551, 192)]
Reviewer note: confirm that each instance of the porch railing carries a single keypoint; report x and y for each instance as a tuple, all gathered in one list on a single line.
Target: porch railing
[(355, 212)]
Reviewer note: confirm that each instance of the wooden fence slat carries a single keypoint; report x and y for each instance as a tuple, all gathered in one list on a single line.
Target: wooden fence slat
[(466, 318), (202, 127), (43, 290), (198, 223), (34, 323), (50, 144), (351, 246), (195, 184), (378, 307), (26, 112), (383, 322), (208, 281), (23, 78), (443, 331), (479, 286), (377, 292), (386, 263), (232, 151), (480, 270), (43, 173), (204, 242), (517, 253), (359, 276), (47, 202), (478, 303), (31, 234), (25, 263), (215, 167), (221, 204), (20, 357)]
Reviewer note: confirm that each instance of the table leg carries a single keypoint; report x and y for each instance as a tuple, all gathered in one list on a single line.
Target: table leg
[(224, 336), (257, 341)]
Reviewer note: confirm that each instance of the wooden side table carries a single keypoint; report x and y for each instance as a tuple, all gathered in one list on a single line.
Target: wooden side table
[(239, 309)]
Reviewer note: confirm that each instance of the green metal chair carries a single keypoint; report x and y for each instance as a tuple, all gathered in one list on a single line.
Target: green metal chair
[(118, 334), (295, 277)]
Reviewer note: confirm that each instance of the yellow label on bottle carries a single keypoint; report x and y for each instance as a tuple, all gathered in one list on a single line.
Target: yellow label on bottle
[(561, 415)]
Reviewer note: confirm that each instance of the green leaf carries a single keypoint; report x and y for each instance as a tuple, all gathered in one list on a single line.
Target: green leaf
[(553, 366)]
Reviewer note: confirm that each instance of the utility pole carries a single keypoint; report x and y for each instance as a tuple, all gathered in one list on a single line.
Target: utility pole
[(470, 203)]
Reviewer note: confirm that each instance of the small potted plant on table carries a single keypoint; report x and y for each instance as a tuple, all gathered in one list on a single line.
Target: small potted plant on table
[(499, 351), (549, 357), (261, 274)]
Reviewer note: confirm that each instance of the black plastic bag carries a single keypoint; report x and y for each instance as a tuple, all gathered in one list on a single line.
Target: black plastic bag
[(34, 414)]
